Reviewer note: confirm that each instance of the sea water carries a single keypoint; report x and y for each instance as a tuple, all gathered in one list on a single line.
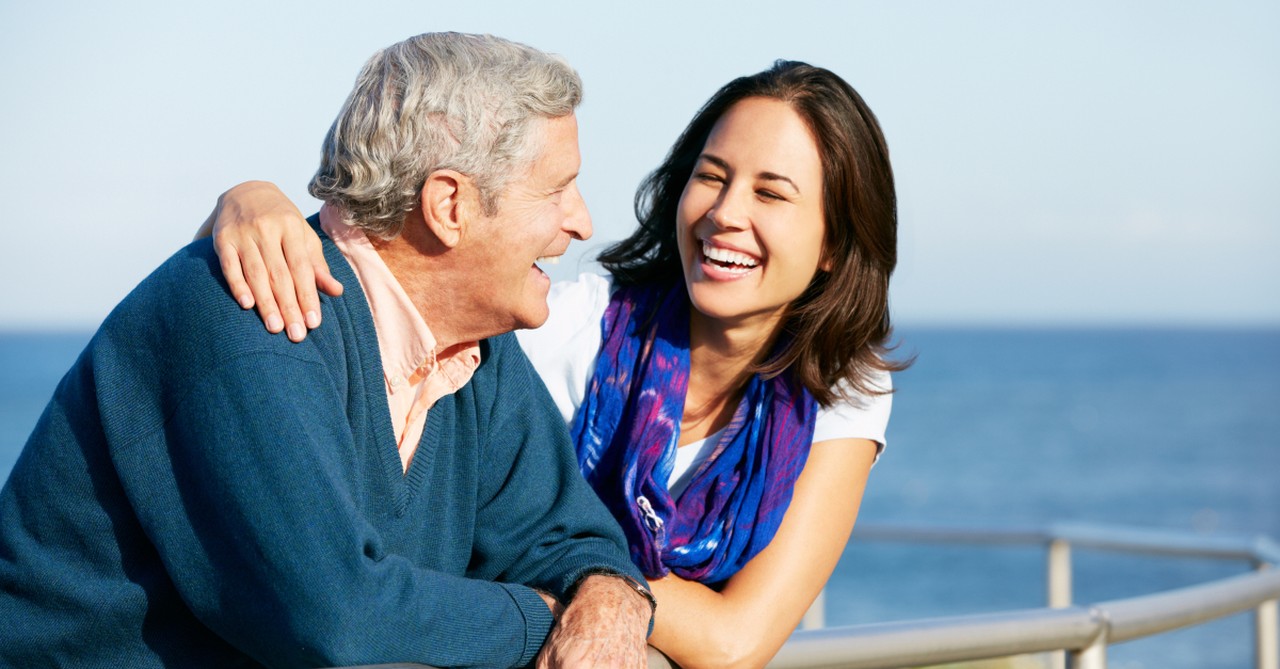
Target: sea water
[(1164, 429)]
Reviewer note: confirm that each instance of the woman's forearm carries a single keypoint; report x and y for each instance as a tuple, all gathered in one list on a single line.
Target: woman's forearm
[(745, 623)]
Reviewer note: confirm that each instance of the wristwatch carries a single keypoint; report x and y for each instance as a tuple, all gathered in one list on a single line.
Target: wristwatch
[(639, 586)]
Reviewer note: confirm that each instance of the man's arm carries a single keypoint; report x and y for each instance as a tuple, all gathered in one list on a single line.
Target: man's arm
[(542, 524), (247, 496)]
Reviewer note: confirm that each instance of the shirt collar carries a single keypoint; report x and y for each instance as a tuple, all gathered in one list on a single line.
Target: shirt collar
[(407, 345)]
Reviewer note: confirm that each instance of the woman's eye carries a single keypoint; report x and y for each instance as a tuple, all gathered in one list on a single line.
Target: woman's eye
[(768, 195), (708, 178)]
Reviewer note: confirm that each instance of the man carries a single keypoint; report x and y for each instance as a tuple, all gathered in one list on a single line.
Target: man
[(202, 493)]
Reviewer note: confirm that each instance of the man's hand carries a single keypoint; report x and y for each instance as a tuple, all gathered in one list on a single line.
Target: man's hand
[(604, 626), (552, 603)]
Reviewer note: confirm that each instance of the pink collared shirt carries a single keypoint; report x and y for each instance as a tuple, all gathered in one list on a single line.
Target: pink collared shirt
[(415, 373)]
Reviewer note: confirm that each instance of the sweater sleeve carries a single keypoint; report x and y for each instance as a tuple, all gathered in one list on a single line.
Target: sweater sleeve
[(247, 497), (539, 494)]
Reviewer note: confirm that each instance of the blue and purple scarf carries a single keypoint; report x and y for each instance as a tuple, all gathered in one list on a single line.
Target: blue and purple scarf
[(626, 432)]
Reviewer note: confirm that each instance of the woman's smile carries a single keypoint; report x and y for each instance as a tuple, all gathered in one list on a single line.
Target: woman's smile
[(721, 263)]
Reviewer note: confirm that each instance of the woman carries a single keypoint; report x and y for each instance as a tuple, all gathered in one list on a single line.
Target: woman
[(727, 387)]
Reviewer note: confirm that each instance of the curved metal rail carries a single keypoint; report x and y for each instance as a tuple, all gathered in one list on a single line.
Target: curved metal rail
[(1083, 632)]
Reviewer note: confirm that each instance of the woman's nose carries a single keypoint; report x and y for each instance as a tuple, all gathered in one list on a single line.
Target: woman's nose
[(729, 211)]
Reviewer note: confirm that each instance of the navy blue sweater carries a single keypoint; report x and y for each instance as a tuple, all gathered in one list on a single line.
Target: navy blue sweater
[(201, 493)]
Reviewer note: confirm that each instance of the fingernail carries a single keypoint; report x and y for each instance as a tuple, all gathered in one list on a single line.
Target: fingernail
[(274, 323), (246, 301), (296, 331), (313, 319)]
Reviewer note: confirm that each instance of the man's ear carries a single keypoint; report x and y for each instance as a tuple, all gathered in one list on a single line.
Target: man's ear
[(444, 205)]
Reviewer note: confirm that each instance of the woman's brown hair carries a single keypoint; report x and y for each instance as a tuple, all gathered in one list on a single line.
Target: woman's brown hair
[(836, 333)]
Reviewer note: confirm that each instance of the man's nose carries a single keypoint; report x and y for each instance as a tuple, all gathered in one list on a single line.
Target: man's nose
[(577, 220)]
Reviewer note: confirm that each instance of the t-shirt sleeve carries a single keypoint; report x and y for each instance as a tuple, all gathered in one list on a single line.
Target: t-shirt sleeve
[(861, 417), (564, 350)]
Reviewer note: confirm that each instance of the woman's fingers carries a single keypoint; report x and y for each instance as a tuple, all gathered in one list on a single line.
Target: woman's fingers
[(303, 278), (259, 281), (324, 280), (284, 290), (229, 259)]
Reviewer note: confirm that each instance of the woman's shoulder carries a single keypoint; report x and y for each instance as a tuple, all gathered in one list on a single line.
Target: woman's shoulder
[(587, 291), (857, 415)]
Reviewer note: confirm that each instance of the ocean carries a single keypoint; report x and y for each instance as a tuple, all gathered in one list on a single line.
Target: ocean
[(1160, 428)]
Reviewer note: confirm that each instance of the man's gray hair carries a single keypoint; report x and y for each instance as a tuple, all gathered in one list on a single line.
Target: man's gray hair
[(439, 101)]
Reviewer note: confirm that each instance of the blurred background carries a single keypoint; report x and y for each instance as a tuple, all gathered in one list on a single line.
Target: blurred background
[(1089, 233)]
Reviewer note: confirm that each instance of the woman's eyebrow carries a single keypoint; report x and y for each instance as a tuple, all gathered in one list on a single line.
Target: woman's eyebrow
[(767, 176), (771, 176)]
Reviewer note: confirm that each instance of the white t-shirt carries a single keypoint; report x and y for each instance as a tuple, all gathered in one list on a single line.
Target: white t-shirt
[(564, 350)]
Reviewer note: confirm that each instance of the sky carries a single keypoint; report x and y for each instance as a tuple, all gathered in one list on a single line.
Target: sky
[(1084, 163)]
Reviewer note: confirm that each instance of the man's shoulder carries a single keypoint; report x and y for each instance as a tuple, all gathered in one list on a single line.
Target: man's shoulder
[(500, 357), (183, 313), (188, 282)]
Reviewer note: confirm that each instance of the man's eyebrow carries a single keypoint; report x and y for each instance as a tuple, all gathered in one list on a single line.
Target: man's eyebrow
[(767, 176), (566, 182)]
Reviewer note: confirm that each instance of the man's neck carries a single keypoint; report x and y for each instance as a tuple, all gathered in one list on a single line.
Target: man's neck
[(424, 270)]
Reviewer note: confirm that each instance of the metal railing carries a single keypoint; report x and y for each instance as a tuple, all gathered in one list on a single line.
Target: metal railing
[(1078, 634), (1082, 633)]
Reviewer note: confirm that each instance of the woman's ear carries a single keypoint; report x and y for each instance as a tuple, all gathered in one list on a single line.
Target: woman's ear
[(443, 201), (825, 262)]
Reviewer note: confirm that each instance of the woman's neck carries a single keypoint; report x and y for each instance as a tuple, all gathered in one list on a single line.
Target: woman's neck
[(720, 360)]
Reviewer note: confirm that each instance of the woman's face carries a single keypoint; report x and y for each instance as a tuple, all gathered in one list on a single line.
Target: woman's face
[(749, 225)]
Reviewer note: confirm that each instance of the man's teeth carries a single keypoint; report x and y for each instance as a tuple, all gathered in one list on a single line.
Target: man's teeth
[(548, 260), (726, 256)]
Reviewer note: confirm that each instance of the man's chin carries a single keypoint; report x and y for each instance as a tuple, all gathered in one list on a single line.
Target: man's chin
[(535, 312)]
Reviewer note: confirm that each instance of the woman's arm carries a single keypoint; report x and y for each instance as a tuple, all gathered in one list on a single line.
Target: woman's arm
[(270, 257), (744, 624)]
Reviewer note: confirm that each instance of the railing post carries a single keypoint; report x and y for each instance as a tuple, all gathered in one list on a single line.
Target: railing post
[(1266, 653), (1093, 656), (1059, 586), (816, 617), (1059, 574)]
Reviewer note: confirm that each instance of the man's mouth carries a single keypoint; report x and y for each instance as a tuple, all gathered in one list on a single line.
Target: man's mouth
[(545, 260), (728, 260)]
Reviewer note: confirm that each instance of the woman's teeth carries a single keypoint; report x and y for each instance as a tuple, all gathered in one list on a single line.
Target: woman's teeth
[(548, 260), (722, 256)]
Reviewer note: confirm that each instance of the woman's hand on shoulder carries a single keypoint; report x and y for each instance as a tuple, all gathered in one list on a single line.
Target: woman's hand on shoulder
[(270, 257)]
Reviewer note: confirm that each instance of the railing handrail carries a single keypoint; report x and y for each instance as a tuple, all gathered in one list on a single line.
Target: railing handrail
[(938, 640), (1138, 617), (1071, 628), (1259, 548), (980, 636)]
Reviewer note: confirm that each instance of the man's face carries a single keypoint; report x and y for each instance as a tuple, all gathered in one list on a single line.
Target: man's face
[(538, 214)]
